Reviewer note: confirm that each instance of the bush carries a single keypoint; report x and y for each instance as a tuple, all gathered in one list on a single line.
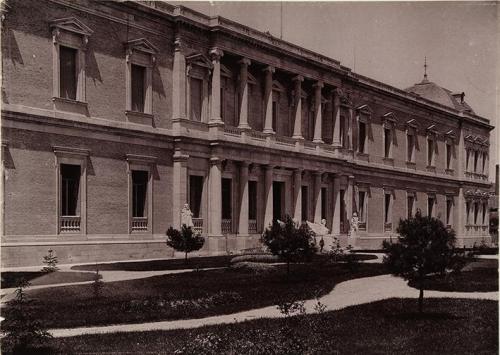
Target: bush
[(290, 243), (185, 240), (50, 260), (256, 258), (252, 267)]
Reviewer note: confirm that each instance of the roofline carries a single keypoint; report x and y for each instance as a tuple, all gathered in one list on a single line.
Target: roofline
[(182, 13)]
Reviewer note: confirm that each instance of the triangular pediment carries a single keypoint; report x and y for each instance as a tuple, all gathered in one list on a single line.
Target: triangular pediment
[(390, 116), (224, 71), (141, 44), (199, 59), (72, 24), (277, 86), (412, 123), (365, 109)]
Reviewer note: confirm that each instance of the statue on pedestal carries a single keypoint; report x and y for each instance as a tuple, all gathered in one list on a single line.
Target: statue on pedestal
[(186, 216), (353, 231)]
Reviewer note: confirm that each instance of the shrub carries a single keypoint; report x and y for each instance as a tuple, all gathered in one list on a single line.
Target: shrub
[(185, 240), (50, 260), (256, 258), (290, 243), (424, 247), (97, 285), (252, 267), (22, 332)]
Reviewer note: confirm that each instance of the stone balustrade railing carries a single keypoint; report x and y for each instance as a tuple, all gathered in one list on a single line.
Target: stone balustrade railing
[(69, 224), (139, 224)]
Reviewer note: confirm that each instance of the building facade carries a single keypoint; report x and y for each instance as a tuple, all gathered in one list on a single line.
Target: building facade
[(116, 114)]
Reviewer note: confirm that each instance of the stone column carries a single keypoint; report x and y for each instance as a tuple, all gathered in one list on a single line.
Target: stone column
[(268, 198), (215, 114), (297, 183), (336, 206), (461, 221), (336, 118), (243, 218), (297, 127), (349, 124), (179, 83), (180, 182), (268, 100), (318, 120), (461, 152), (243, 120), (349, 196), (215, 197), (317, 197)]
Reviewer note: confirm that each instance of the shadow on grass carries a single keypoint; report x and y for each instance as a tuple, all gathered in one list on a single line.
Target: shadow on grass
[(424, 316)]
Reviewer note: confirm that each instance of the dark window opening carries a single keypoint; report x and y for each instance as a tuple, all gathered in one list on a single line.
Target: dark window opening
[(362, 202), (67, 72), (448, 156), (275, 115), (476, 159), (138, 88), (305, 205), (387, 141), (410, 203), (449, 205), (430, 152), (387, 208), (195, 195), (362, 137), (196, 98), (278, 200), (323, 202), (411, 144), (252, 200), (227, 207), (70, 188), (139, 193), (430, 206)]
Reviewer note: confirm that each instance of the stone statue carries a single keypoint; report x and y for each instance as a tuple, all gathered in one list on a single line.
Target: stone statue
[(354, 222), (186, 216)]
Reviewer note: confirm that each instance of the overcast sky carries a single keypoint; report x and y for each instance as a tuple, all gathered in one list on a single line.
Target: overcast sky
[(388, 41)]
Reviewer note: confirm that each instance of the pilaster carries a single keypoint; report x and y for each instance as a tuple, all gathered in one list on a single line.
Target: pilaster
[(215, 111), (180, 182), (215, 197), (297, 192), (317, 197), (297, 127), (243, 217), (268, 198), (243, 119), (336, 118), (268, 100), (318, 133), (336, 206)]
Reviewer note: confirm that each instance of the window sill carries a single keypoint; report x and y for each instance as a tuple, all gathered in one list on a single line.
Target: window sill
[(140, 117), (69, 105)]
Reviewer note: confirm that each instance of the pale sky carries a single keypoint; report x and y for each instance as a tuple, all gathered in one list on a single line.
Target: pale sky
[(387, 41)]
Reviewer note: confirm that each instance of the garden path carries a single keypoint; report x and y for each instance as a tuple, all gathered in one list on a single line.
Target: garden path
[(345, 294)]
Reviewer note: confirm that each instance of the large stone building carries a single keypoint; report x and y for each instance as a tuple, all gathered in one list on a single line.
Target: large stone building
[(116, 114)]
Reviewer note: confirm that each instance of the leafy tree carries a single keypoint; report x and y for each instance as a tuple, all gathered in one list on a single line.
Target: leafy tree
[(290, 243), (22, 331), (185, 240), (50, 260), (424, 247)]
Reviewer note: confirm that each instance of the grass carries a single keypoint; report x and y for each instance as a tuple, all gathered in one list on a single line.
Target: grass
[(179, 264), (36, 278), (448, 326), (480, 275), (194, 294)]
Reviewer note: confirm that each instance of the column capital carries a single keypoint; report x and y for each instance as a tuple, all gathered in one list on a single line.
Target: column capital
[(244, 163), (216, 53), (318, 173), (216, 161), (298, 78), (318, 85), (267, 167), (177, 44), (244, 61), (269, 68), (180, 157)]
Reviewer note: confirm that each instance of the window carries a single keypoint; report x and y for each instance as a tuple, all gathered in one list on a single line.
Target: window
[(387, 208), (485, 211), (361, 137), (467, 159), (476, 160), (483, 165), (387, 143), (138, 95), (431, 200), (410, 205), (362, 206), (449, 210), (67, 71), (70, 189), (69, 37), (476, 212), (196, 98), (449, 152), (227, 199), (139, 193), (430, 151), (410, 147), (343, 216), (305, 204), (195, 194), (275, 115), (343, 132), (467, 212), (252, 200), (323, 202)]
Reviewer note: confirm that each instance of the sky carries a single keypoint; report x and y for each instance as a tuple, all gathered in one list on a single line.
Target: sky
[(387, 41)]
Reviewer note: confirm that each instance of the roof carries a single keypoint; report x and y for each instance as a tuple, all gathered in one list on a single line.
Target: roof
[(433, 92)]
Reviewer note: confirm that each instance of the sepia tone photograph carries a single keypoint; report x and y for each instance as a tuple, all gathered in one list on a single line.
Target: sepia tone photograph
[(249, 177)]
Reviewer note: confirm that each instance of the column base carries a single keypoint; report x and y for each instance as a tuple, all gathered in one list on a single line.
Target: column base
[(244, 127), (318, 141), (298, 137), (268, 131), (215, 122)]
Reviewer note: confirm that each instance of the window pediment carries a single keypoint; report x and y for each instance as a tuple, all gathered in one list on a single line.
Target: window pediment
[(199, 59), (277, 86), (364, 109), (141, 51), (71, 24), (431, 131)]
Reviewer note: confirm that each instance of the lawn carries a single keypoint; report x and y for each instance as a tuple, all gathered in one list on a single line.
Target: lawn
[(36, 278), (178, 264), (193, 294), (448, 326), (480, 275)]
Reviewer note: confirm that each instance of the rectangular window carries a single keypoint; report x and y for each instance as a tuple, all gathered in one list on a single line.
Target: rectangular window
[(275, 115), (387, 208), (226, 199), (430, 206), (67, 71), (223, 103), (410, 203), (467, 212), (476, 159), (305, 205), (343, 133), (362, 206), (483, 165), (70, 189), (139, 193), (485, 211), (467, 159), (252, 200), (387, 143), (361, 137), (476, 212), (410, 139), (138, 78), (195, 194), (449, 210), (323, 203), (343, 217), (430, 152), (449, 151), (196, 98)]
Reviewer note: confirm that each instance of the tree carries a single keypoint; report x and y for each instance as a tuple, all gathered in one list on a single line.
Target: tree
[(424, 247), (50, 260), (292, 244), (185, 240)]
